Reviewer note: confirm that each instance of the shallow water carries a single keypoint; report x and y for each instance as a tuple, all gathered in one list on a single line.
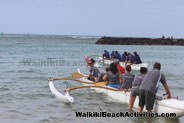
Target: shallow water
[(24, 91)]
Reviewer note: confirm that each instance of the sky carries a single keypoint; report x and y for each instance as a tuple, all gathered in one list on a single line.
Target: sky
[(125, 18)]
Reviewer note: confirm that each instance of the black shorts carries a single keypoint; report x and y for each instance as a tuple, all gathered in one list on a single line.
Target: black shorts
[(146, 98)]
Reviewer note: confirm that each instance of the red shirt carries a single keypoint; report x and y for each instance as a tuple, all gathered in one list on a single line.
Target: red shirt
[(120, 69)]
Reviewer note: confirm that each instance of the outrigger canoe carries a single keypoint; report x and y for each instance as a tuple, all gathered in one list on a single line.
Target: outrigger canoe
[(133, 66), (161, 106)]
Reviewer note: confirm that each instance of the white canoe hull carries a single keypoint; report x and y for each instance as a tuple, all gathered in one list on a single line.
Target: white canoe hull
[(133, 66), (163, 106)]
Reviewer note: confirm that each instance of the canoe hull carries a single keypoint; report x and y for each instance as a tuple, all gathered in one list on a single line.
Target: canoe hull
[(163, 106)]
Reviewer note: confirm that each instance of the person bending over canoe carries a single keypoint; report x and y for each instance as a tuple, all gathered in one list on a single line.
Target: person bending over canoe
[(124, 56), (128, 78), (106, 55), (117, 56), (149, 87), (113, 55), (135, 86), (93, 71), (137, 58), (112, 76), (130, 59)]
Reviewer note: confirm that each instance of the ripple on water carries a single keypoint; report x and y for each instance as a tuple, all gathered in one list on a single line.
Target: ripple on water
[(4, 89)]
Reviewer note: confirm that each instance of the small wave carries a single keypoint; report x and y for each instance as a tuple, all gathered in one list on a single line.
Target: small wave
[(10, 71), (37, 96), (2, 102), (29, 71), (83, 37), (4, 89), (45, 121), (27, 78)]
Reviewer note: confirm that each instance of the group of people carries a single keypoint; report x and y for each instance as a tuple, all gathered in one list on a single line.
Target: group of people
[(145, 84), (125, 57)]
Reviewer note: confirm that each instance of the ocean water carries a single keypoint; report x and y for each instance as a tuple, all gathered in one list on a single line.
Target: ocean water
[(27, 61)]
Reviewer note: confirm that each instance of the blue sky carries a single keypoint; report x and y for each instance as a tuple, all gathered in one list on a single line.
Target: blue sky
[(138, 18)]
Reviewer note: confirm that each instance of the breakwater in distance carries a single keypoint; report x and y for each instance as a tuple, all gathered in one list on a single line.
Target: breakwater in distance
[(141, 41)]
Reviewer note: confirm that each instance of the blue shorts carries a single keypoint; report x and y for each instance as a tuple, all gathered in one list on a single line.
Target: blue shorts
[(114, 85)]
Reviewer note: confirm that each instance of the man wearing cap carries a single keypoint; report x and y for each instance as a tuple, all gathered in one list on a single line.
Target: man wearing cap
[(149, 87), (93, 71)]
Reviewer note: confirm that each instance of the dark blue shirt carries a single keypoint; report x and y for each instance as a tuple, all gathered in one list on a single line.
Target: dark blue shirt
[(131, 58), (138, 59), (112, 55), (106, 55), (117, 56), (124, 57)]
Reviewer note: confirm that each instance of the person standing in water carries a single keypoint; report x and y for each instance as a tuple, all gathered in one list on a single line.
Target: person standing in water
[(128, 78), (135, 86), (149, 87)]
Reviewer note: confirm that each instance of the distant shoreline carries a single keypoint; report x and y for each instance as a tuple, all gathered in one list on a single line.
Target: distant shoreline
[(141, 41)]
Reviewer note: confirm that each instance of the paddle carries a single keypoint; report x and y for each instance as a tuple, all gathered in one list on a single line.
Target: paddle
[(76, 76), (79, 75), (95, 83), (100, 83), (95, 86), (73, 79)]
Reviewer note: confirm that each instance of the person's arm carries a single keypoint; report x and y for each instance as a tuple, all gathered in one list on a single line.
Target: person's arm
[(120, 78), (166, 87), (90, 74), (105, 78)]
